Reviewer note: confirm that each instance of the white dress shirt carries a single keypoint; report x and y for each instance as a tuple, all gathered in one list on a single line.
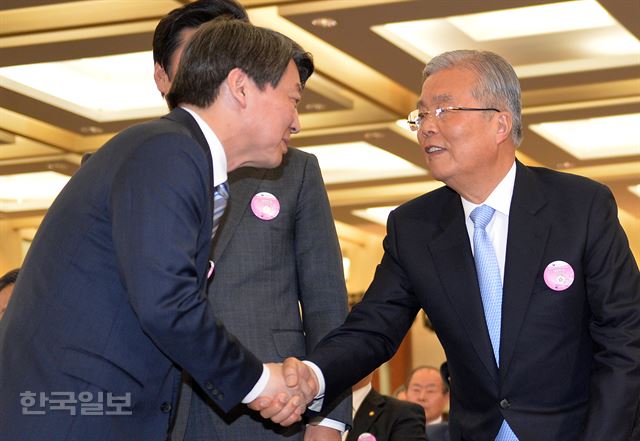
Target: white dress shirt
[(498, 227)]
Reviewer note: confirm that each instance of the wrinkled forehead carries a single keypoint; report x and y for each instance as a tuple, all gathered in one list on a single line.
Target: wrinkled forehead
[(447, 87)]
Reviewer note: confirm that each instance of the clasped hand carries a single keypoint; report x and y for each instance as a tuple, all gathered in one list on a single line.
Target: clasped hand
[(291, 387)]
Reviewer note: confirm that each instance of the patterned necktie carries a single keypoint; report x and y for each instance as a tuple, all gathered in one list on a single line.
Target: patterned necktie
[(220, 198), (490, 289)]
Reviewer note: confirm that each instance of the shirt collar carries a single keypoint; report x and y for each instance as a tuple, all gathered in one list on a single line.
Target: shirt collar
[(359, 395), (217, 151), (500, 197)]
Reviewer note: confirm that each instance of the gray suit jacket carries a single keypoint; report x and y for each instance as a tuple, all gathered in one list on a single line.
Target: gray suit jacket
[(263, 270)]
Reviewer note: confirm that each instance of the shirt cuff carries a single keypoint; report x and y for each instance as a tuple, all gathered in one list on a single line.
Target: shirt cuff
[(316, 404), (328, 422), (260, 386)]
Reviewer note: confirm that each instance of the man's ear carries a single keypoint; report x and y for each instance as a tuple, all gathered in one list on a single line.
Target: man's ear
[(237, 83), (161, 78), (505, 123)]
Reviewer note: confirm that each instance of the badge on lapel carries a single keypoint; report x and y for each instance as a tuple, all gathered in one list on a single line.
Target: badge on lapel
[(366, 437), (265, 206), (558, 275)]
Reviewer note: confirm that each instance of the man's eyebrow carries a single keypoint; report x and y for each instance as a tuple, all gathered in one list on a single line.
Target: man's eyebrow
[(443, 97)]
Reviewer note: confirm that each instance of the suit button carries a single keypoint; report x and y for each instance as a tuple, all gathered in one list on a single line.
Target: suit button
[(505, 404), (208, 385), (165, 407)]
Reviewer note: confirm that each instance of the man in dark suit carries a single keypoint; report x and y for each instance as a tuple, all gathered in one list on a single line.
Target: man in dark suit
[(268, 262), (537, 310), (110, 304), (386, 418)]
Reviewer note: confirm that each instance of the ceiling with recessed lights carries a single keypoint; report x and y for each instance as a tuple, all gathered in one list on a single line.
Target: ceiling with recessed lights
[(72, 73)]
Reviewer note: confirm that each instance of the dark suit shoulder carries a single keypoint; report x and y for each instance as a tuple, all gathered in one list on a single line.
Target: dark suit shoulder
[(438, 432), (406, 406), (560, 181), (300, 155), (423, 206), (147, 131)]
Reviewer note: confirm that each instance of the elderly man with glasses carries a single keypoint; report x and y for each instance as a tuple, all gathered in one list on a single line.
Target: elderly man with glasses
[(525, 273)]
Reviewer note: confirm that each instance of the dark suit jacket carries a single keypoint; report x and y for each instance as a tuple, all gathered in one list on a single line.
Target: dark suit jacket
[(111, 295), (263, 270), (388, 419), (570, 360), (438, 432)]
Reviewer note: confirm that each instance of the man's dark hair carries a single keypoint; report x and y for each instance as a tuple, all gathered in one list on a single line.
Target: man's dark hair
[(221, 45), (167, 38), (9, 278)]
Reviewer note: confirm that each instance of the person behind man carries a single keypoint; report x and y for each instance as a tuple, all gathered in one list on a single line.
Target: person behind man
[(426, 387), (386, 418), (110, 302), (266, 263), (525, 273), (7, 282)]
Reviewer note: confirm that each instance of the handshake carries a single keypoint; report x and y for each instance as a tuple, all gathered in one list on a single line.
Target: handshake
[(292, 386)]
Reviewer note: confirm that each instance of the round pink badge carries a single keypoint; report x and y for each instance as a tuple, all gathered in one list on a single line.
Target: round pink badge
[(265, 206), (558, 275), (366, 437)]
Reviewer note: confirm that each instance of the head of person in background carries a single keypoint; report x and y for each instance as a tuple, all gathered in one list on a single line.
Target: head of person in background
[(400, 392), (176, 29), (426, 387), (7, 283)]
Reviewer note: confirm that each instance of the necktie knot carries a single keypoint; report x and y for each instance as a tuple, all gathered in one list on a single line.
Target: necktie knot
[(222, 190), (220, 198), (481, 216)]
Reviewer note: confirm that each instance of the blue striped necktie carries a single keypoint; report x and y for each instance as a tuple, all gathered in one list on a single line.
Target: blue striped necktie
[(220, 198), (490, 283)]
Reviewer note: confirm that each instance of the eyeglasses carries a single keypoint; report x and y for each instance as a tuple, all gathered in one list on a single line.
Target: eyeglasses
[(416, 117)]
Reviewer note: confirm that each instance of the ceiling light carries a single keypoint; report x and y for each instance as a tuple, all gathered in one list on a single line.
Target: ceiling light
[(346, 267), (594, 138), (30, 191), (635, 189), (110, 88), (591, 40), (360, 161), (533, 20), (324, 22), (315, 107), (91, 130), (377, 215)]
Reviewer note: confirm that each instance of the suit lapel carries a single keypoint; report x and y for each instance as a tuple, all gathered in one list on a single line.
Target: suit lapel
[(368, 412), (243, 184), (526, 240), (451, 253)]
